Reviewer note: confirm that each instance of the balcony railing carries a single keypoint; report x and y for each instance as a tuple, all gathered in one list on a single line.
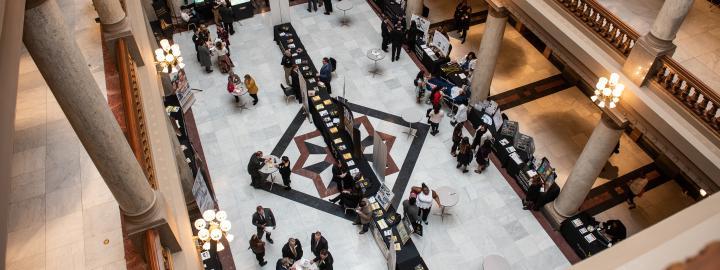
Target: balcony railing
[(603, 23), (690, 92)]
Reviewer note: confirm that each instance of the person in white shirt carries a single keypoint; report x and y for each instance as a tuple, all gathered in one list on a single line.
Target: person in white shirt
[(460, 115), (435, 115), (468, 62), (424, 200), (481, 135)]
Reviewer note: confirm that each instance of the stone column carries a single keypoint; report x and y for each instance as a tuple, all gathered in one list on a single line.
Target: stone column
[(65, 71), (114, 25), (488, 54), (587, 167), (658, 42), (11, 29), (412, 7)]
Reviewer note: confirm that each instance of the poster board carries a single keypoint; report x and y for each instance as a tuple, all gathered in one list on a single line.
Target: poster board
[(441, 42), (201, 193), (379, 156), (181, 88), (423, 24)]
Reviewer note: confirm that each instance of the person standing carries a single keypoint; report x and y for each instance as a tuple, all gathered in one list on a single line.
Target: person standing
[(252, 88), (435, 116), (312, 5), (284, 168), (461, 115), (482, 157), (396, 38), (425, 197), (287, 65), (262, 219), (635, 188), (328, 7), (196, 41), (410, 209), (364, 213), (254, 165), (317, 243), (222, 34), (231, 87), (464, 23), (325, 74), (411, 35), (258, 248), (421, 83), (465, 155), (295, 80), (324, 261), (482, 134), (533, 194), (204, 57), (456, 138), (436, 96), (292, 249), (385, 28), (228, 18), (224, 61)]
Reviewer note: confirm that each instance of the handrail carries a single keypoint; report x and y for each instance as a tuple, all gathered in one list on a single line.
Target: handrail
[(692, 93), (602, 22)]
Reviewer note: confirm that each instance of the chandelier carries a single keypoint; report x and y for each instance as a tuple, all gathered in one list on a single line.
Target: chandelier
[(168, 57), (213, 226), (608, 91)]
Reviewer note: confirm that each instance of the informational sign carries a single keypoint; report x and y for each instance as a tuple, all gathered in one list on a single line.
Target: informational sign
[(202, 195), (441, 42), (380, 153), (423, 25), (181, 87), (497, 120)]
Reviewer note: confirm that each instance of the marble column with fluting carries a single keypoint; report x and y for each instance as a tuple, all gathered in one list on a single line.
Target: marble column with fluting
[(66, 72), (11, 29), (488, 54), (658, 42), (587, 167), (412, 7)]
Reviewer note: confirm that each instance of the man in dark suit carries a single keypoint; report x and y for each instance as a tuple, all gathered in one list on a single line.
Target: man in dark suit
[(325, 74), (317, 243), (328, 7), (292, 249), (324, 261), (385, 27), (396, 37), (262, 219), (228, 18), (295, 80), (254, 165)]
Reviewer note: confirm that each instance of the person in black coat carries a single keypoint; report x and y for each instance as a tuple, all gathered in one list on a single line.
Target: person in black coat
[(328, 7), (285, 171), (464, 155), (228, 17), (292, 249), (411, 35), (396, 38), (256, 162), (385, 28), (317, 243), (262, 219), (324, 261), (283, 264), (295, 82), (533, 194)]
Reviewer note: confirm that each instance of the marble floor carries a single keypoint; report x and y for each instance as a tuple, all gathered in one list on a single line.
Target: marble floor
[(519, 62), (61, 211), (488, 220), (561, 124), (441, 10), (698, 40)]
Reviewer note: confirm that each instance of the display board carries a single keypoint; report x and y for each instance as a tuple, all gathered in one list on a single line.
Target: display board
[(202, 195), (181, 88), (497, 120), (380, 153), (441, 42)]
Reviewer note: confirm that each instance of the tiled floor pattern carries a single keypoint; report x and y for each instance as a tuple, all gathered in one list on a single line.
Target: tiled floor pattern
[(61, 211), (519, 62), (698, 40), (488, 220)]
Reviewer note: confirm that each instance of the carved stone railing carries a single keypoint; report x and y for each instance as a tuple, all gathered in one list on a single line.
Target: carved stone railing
[(603, 23), (692, 93)]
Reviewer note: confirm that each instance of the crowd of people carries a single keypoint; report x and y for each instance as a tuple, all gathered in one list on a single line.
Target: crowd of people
[(264, 221)]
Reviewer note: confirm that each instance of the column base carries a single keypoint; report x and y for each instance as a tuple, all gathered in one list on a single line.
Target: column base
[(642, 61), (553, 216), (158, 217)]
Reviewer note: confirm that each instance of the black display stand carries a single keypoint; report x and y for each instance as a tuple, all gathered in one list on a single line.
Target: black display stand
[(576, 233)]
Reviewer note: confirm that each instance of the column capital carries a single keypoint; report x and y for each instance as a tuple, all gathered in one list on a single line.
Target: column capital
[(614, 118)]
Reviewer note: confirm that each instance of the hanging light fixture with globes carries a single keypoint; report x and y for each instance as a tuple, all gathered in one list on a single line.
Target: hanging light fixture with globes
[(213, 226), (168, 57), (608, 91)]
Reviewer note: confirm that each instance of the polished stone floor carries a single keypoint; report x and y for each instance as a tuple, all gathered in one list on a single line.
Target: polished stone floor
[(698, 41), (488, 219), (61, 211), (561, 124), (519, 62), (441, 10)]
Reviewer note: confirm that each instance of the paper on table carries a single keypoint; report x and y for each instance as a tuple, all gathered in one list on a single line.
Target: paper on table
[(577, 222), (462, 75), (382, 224), (397, 246), (589, 238)]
